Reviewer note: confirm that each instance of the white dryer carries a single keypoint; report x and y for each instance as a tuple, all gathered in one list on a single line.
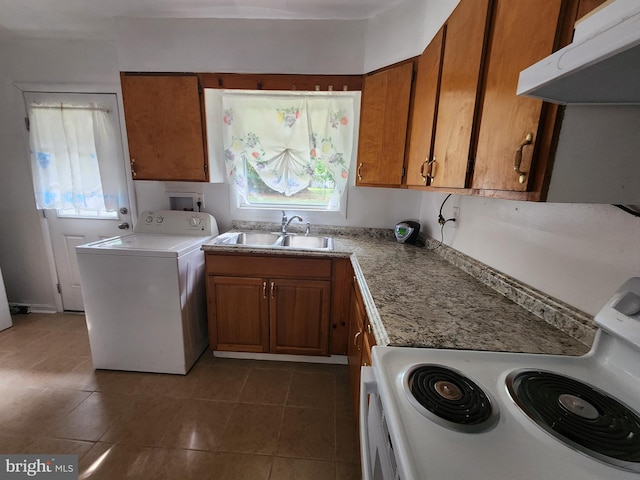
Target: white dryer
[(144, 293)]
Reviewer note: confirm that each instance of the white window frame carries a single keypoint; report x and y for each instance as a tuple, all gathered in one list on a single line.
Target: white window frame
[(266, 213)]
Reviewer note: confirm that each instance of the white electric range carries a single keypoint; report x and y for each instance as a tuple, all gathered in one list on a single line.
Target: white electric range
[(451, 414)]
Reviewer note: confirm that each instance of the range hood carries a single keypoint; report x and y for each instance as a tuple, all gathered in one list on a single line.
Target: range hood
[(600, 66)]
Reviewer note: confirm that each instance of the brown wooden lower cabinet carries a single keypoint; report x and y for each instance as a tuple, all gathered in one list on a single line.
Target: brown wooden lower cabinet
[(268, 313), (299, 314), (238, 314), (361, 342)]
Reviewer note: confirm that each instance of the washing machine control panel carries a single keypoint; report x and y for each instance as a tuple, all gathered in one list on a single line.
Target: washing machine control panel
[(174, 222)]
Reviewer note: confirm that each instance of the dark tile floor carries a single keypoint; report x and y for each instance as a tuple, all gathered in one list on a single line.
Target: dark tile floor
[(226, 419)]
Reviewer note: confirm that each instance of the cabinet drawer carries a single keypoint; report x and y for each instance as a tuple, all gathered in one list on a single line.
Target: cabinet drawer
[(271, 266)]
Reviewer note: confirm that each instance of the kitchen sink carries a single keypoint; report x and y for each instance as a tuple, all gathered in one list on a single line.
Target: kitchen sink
[(256, 238), (272, 240), (298, 241)]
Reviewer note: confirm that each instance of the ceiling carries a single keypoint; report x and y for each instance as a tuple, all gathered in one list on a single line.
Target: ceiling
[(95, 18)]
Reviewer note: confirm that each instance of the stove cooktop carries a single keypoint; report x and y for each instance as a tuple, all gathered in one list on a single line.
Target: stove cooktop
[(512, 445)]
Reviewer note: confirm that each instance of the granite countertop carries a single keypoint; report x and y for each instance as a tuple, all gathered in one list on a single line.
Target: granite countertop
[(415, 297)]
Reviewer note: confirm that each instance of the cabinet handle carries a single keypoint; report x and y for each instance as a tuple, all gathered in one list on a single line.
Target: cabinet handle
[(264, 289), (431, 173), (133, 167), (422, 174), (273, 295), (517, 159), (359, 174), (369, 329), (355, 340)]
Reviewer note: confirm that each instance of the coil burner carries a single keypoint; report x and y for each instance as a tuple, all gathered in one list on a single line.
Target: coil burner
[(581, 416), (449, 398)]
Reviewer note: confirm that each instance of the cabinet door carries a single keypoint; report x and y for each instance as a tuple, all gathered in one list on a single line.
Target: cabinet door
[(164, 127), (425, 109), (299, 315), (586, 7), (238, 314), (357, 318), (467, 29), (384, 114), (524, 32)]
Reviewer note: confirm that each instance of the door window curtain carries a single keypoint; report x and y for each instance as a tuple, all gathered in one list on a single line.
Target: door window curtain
[(71, 148), (284, 136)]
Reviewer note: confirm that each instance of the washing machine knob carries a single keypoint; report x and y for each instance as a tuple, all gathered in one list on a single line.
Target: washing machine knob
[(195, 221), (149, 219), (159, 220)]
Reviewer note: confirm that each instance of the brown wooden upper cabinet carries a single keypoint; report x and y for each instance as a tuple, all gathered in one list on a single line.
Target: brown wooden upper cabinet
[(511, 127), (586, 7), (445, 102), (459, 91), (485, 140), (164, 127), (425, 109), (384, 114)]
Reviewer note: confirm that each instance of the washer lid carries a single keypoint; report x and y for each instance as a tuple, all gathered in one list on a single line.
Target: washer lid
[(149, 244)]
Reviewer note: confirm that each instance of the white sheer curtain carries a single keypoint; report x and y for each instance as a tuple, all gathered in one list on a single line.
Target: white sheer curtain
[(68, 145), (284, 136)]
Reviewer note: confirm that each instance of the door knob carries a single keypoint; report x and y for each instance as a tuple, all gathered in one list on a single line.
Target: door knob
[(123, 226), (124, 210)]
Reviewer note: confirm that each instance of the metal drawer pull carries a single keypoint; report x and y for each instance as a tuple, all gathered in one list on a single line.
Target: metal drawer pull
[(431, 174), (264, 289), (422, 174), (355, 340), (272, 290), (359, 174), (517, 159)]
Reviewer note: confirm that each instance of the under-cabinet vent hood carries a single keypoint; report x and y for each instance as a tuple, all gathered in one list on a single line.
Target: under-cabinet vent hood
[(600, 66)]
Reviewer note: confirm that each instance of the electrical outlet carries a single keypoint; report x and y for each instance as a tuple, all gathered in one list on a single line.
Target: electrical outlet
[(456, 217), (200, 198)]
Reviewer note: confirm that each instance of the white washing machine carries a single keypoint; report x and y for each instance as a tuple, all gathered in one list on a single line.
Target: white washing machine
[(144, 293)]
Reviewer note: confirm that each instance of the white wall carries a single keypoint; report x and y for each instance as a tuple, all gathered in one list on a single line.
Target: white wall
[(577, 253), (404, 31), (241, 46), (591, 170), (22, 247)]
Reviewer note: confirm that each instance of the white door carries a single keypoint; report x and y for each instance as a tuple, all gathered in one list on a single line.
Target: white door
[(71, 227)]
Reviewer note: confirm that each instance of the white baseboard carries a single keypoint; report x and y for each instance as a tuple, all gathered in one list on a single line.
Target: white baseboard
[(36, 307), (333, 359)]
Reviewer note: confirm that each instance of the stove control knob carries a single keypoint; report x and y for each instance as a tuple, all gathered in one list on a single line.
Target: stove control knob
[(149, 219), (629, 304), (195, 221), (159, 220)]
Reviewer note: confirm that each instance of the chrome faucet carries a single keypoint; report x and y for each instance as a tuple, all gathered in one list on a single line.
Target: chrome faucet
[(285, 222)]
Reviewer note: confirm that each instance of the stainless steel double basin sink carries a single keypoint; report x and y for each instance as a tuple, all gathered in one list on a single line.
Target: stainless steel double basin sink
[(280, 240)]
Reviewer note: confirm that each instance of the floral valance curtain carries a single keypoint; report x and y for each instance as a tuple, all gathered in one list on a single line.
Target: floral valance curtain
[(67, 142), (284, 136)]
